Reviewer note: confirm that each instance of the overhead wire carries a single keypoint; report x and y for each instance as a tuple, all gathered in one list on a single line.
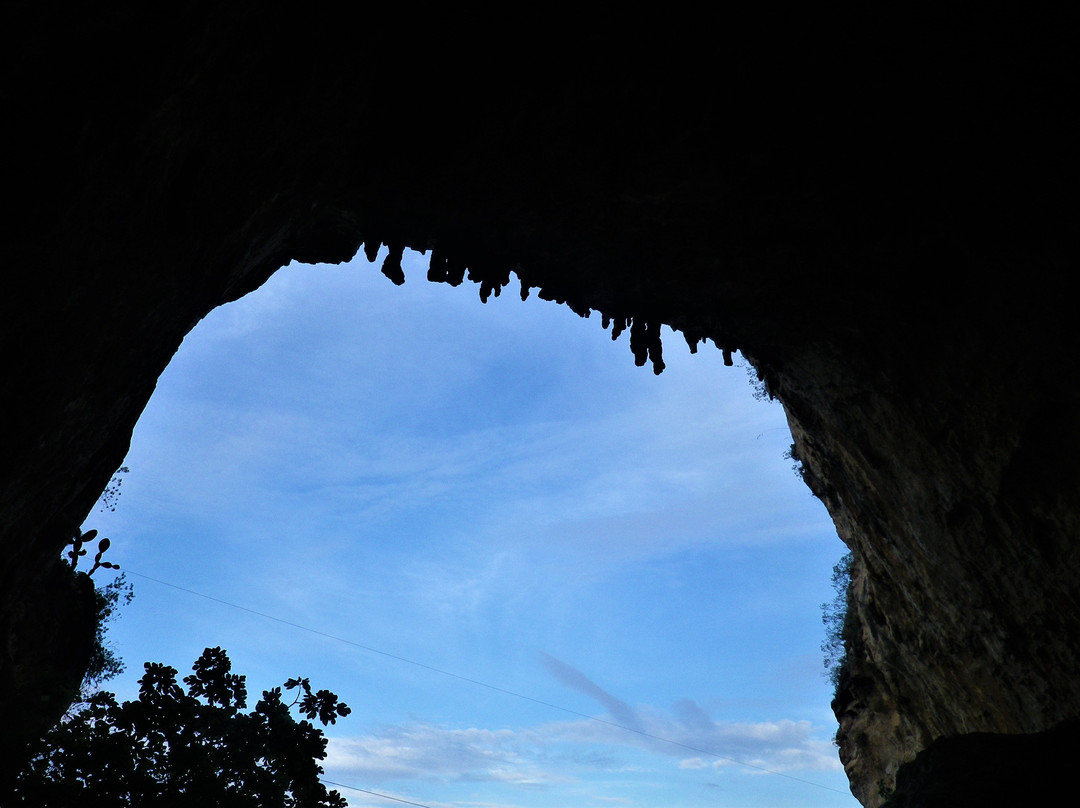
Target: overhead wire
[(373, 793), (487, 685)]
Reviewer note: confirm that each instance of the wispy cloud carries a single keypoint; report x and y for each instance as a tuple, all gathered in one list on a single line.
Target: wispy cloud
[(782, 745), (621, 712)]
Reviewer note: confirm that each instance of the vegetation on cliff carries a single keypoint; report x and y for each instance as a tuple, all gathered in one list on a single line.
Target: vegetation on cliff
[(834, 615)]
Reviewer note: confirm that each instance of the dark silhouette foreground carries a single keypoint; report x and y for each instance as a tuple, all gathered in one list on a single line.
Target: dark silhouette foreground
[(171, 747)]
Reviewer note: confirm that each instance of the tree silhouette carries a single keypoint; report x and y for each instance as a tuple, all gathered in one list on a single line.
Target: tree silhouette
[(170, 747)]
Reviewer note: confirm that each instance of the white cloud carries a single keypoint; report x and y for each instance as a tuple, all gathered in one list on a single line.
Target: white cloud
[(779, 746), (566, 752), (693, 763), (425, 752)]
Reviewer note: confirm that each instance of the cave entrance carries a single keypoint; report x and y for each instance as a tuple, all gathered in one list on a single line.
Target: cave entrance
[(498, 492)]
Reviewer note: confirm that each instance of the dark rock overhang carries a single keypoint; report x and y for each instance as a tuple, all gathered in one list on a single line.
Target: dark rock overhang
[(882, 223)]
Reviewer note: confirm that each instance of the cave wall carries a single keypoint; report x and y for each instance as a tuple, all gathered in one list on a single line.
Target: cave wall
[(880, 223), (959, 505)]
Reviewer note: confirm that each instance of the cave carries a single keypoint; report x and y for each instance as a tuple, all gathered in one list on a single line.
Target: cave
[(883, 224)]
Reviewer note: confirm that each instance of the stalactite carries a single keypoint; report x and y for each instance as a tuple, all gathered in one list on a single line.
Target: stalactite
[(619, 324), (436, 272), (638, 345), (391, 267), (455, 272), (654, 347)]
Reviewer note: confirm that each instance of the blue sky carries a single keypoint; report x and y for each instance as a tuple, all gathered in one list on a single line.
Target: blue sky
[(494, 492)]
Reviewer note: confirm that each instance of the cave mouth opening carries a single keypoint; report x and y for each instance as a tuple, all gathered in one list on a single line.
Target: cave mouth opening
[(484, 493)]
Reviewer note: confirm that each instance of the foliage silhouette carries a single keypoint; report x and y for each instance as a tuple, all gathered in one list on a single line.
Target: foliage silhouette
[(76, 552), (171, 747), (111, 493), (104, 662), (834, 615)]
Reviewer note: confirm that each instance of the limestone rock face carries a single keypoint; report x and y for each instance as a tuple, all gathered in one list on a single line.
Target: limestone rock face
[(941, 505), (882, 224)]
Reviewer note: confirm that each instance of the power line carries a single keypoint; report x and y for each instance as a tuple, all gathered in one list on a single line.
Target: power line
[(372, 793), (480, 683)]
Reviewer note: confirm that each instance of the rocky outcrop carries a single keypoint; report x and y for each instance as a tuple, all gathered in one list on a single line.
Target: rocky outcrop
[(881, 224), (49, 633), (966, 770)]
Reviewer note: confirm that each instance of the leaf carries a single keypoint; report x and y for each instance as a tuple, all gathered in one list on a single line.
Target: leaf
[(305, 684)]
